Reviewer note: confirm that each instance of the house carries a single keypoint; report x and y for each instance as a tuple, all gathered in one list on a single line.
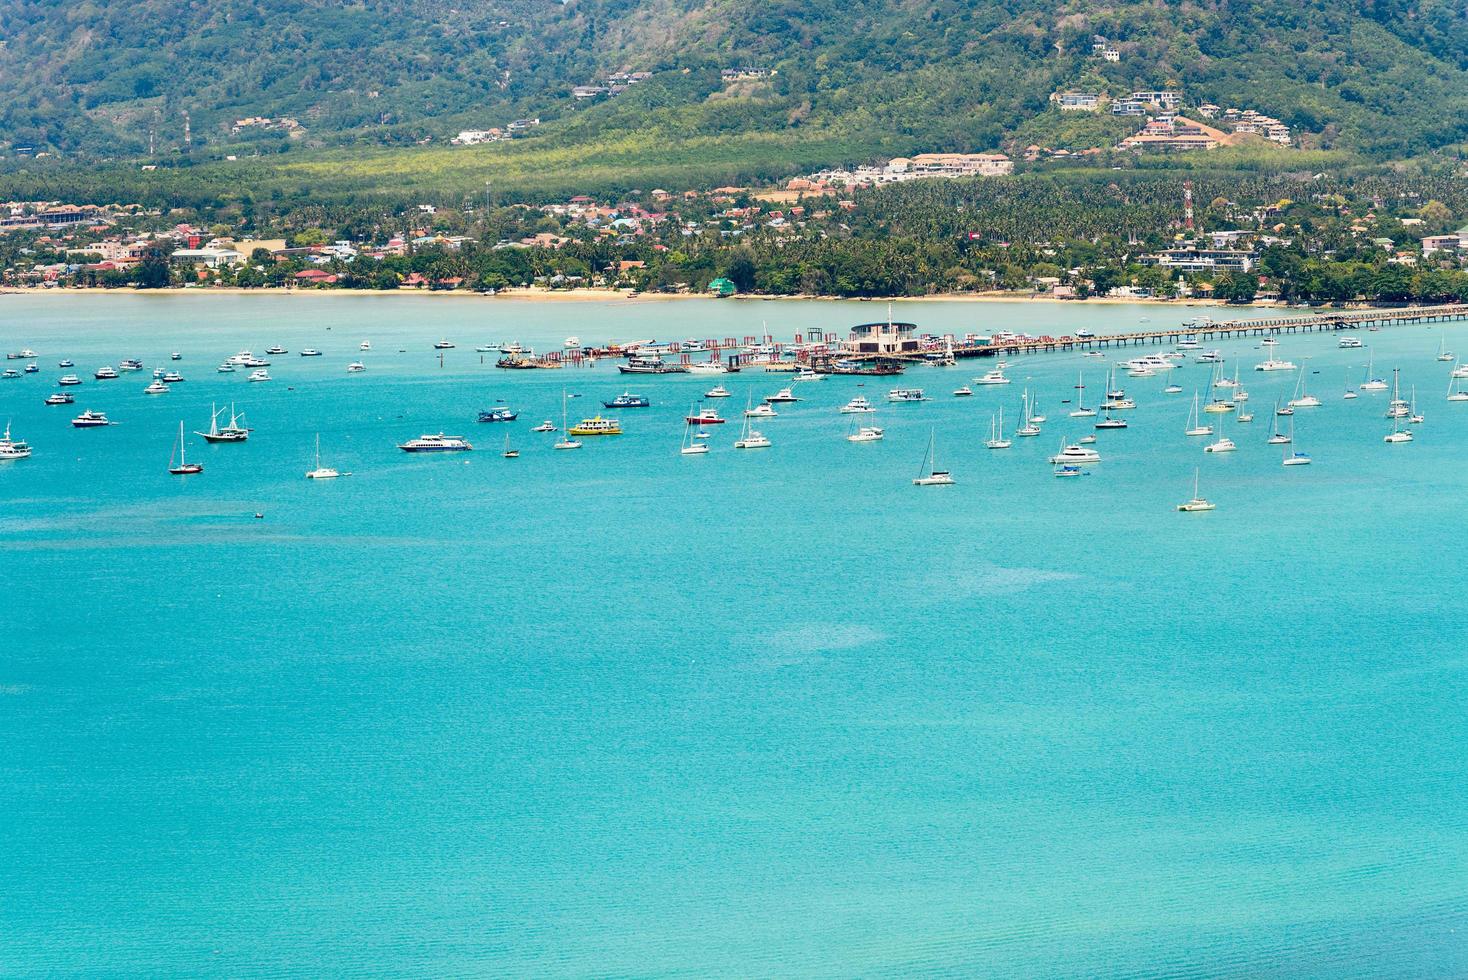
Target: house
[(1162, 100), (1192, 259), (589, 91), (1444, 243), (314, 277), (1077, 101), (1128, 107)]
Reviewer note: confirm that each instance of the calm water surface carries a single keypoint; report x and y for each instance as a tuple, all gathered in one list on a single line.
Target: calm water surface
[(621, 712)]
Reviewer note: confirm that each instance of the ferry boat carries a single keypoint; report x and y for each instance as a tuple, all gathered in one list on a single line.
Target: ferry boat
[(628, 400), (782, 396), (596, 426), (857, 405), (440, 443), (718, 391), (498, 414), (104, 374), (276, 350), (68, 380), (704, 416), (310, 352), (13, 448), (906, 395), (234, 432), (90, 420), (1349, 343), (156, 388), (130, 364), (60, 398), (1075, 454), (260, 375), (994, 377), (650, 365)]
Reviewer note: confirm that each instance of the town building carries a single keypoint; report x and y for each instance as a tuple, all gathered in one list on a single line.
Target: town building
[(887, 337)]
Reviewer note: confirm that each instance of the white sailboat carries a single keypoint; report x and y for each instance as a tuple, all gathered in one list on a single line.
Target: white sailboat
[(1198, 504), (565, 442), (184, 467), (1291, 457), (996, 432), (930, 475), (1195, 424), (1081, 411), (1455, 392), (751, 438), (1030, 428), (691, 445), (1303, 399), (1372, 382), (1277, 438), (322, 472)]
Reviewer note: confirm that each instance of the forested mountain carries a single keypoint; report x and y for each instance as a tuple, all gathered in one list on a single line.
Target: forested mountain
[(107, 77)]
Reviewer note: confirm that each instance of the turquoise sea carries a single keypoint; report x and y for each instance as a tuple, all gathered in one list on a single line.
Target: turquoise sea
[(620, 712)]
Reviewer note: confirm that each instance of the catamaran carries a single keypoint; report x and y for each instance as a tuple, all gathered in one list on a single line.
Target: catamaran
[(1303, 399), (1198, 503), (325, 472), (1195, 423)]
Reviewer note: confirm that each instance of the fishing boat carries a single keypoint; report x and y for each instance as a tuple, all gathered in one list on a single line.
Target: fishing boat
[(105, 373), (1195, 422), (67, 398), (1198, 504), (718, 391), (783, 396), (156, 388), (628, 400), (13, 448), (183, 467), (929, 475), (1075, 455), (436, 443), (596, 426), (704, 416), (91, 420), (323, 472), (996, 432), (233, 432), (906, 395), (498, 414), (565, 442)]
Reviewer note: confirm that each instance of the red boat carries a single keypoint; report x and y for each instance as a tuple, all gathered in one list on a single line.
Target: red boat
[(705, 416)]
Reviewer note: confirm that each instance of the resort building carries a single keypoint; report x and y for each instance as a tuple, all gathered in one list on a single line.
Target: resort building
[(887, 337), (1077, 101), (1203, 260)]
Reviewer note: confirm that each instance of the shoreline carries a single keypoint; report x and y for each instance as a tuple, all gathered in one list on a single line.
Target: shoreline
[(588, 295)]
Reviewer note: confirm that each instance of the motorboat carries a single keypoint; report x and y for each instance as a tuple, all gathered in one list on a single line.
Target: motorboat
[(105, 373), (256, 362), (226, 368), (260, 374), (66, 362), (175, 356), (171, 377), (761, 411), (994, 377), (718, 391), (1223, 445), (310, 352), (1210, 357), (1349, 343), (240, 359), (962, 392), (10, 373), (130, 364), (906, 395), (90, 420), (60, 398), (1173, 389), (806, 374), (276, 350), (1075, 454), (783, 396), (546, 426), (628, 400), (367, 345), (1065, 470), (443, 345), (156, 388), (68, 380), (439, 443), (858, 405), (704, 416), (356, 367), (572, 343), (707, 367), (596, 426), (498, 414), (32, 368), (13, 448)]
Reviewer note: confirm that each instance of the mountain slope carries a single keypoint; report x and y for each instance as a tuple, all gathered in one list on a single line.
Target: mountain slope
[(1388, 77)]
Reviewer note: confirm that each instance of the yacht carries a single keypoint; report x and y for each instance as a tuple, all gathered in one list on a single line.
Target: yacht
[(690, 444), (498, 414), (260, 374), (930, 475), (66, 398), (782, 396), (1075, 454), (1459, 371), (226, 368), (761, 411), (1195, 422), (906, 395), (156, 388), (233, 432), (718, 391), (1278, 438), (546, 426), (1272, 363), (806, 374), (68, 380), (310, 352), (66, 362), (962, 392), (104, 374), (1173, 389), (707, 367), (704, 416), (171, 377), (130, 364), (175, 356), (596, 426), (1443, 354), (1455, 391), (367, 345), (628, 400), (90, 420), (752, 439), (1223, 445), (1244, 416), (866, 433), (321, 472), (504, 348), (256, 362), (1087, 440), (1349, 343), (994, 377), (1296, 459), (1198, 503), (240, 359), (1373, 383), (276, 350), (183, 467), (32, 368), (1210, 357), (440, 443), (443, 345), (10, 373), (1219, 406), (13, 448), (1398, 434), (858, 405), (356, 367), (572, 343)]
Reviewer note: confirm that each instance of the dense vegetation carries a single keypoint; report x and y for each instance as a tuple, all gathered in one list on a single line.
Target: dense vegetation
[(858, 77)]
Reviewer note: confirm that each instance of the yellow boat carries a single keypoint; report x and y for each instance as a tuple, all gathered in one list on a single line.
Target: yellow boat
[(596, 427)]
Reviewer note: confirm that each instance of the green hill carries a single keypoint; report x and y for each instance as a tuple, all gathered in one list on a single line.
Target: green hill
[(1387, 78)]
